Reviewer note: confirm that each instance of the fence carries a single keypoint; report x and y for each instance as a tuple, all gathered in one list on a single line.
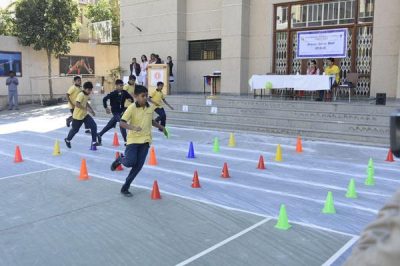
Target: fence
[(39, 87)]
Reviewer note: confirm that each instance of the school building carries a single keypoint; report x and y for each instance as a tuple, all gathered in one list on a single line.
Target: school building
[(245, 37)]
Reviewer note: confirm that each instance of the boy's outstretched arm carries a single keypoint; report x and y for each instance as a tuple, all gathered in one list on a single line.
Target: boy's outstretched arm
[(105, 99), (90, 109), (170, 107), (69, 100)]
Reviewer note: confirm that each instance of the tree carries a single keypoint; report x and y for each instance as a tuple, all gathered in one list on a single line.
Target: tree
[(7, 23), (105, 10), (48, 25)]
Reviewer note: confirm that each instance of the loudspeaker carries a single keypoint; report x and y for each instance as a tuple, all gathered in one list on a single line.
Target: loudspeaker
[(381, 99), (395, 133)]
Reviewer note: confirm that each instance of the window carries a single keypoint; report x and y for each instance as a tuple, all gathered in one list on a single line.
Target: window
[(322, 14), (355, 15), (281, 18), (366, 11), (205, 50)]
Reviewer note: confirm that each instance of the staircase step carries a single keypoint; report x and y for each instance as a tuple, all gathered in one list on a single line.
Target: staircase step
[(334, 117), (357, 122)]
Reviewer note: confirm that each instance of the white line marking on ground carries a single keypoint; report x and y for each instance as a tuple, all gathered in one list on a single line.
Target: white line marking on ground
[(285, 194), (264, 176), (341, 251), (34, 172), (282, 164), (220, 244), (274, 177), (191, 199), (267, 137)]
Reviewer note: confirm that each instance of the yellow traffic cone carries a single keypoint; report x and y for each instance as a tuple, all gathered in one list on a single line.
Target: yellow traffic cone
[(278, 156), (56, 150), (232, 142)]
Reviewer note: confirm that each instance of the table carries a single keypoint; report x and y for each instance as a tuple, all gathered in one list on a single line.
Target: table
[(213, 83), (296, 82)]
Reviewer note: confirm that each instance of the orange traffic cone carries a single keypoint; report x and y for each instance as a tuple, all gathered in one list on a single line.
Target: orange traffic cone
[(225, 172), (261, 165), (84, 172), (389, 157), (153, 160), (115, 141), (119, 167), (196, 182), (299, 146), (18, 156), (155, 193)]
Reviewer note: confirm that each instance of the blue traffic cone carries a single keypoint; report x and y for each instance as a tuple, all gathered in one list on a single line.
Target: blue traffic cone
[(191, 151), (93, 147)]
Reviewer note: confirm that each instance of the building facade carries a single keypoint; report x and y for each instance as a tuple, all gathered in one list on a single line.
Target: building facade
[(245, 37)]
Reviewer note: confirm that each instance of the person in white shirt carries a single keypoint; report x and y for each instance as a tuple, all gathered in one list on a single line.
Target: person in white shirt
[(142, 79)]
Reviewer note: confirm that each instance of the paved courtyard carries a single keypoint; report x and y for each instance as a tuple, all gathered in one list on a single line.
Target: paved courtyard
[(50, 217)]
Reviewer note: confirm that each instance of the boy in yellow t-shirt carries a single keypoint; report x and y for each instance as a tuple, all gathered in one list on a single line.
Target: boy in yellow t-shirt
[(138, 119), (80, 115), (156, 97), (130, 86), (72, 93), (130, 89)]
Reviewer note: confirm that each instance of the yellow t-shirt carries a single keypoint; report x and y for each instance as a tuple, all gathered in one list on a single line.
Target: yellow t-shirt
[(127, 103), (139, 117), (73, 92), (157, 97), (129, 88), (333, 70), (80, 113)]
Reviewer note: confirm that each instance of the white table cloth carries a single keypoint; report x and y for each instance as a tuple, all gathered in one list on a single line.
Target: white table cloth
[(296, 82)]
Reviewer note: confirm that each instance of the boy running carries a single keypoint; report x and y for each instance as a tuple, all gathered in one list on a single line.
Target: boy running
[(130, 87), (138, 119), (156, 97), (117, 107), (72, 93), (80, 115)]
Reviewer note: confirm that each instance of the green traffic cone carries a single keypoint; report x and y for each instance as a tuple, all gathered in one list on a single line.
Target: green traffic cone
[(371, 167), (329, 208), (166, 132), (370, 181), (283, 223), (351, 190), (216, 145), (370, 163)]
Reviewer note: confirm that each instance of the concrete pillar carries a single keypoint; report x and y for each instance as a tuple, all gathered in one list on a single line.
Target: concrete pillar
[(181, 50), (385, 51), (163, 25), (235, 46), (398, 73)]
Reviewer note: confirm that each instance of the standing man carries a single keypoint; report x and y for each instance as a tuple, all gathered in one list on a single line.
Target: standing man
[(135, 68), (12, 83)]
